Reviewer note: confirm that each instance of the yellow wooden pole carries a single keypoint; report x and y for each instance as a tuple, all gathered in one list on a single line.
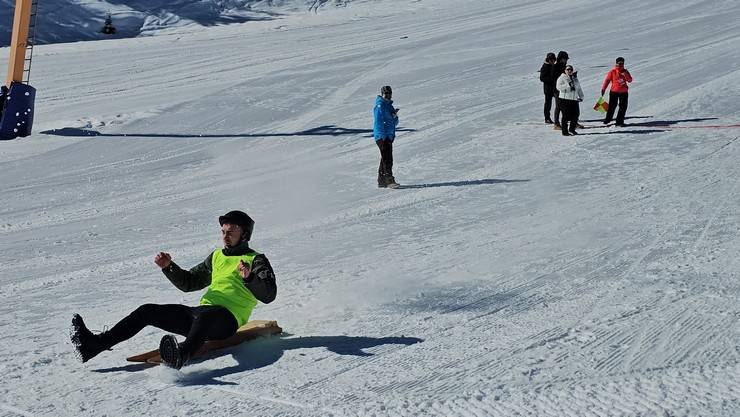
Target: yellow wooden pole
[(19, 40)]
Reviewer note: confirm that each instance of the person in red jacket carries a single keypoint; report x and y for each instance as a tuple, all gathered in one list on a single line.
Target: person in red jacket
[(618, 77)]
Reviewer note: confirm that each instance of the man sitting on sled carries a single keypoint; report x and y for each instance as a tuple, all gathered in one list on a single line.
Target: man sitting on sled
[(236, 276)]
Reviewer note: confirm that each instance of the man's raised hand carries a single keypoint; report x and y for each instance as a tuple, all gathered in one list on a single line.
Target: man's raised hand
[(244, 269), (163, 259)]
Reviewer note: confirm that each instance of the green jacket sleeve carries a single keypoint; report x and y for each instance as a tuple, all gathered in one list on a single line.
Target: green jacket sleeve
[(197, 278)]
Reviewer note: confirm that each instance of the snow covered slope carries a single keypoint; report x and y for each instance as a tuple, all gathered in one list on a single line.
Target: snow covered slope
[(519, 273)]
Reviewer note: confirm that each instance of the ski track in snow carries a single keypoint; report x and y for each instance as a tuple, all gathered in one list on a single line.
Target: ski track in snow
[(519, 273)]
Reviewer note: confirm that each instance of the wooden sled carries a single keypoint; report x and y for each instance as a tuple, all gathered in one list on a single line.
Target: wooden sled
[(250, 331)]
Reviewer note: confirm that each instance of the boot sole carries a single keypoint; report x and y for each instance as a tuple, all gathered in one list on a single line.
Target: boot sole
[(169, 351)]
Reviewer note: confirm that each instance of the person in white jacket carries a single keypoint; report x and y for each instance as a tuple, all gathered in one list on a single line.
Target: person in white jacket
[(570, 95)]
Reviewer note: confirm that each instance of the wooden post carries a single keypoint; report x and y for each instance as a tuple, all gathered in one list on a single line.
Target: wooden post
[(19, 41)]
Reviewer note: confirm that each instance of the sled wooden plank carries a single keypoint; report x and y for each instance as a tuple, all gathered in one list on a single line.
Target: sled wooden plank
[(143, 356), (251, 330)]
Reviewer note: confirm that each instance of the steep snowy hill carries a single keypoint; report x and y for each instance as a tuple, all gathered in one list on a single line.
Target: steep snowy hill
[(82, 20), (519, 273)]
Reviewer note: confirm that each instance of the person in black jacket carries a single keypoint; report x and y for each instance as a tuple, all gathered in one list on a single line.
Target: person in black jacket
[(548, 84), (236, 276), (557, 70), (3, 98)]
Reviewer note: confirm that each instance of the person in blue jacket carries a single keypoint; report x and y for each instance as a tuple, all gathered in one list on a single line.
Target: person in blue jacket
[(384, 131)]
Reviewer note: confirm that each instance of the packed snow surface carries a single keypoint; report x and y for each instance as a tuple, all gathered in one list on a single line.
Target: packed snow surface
[(517, 273)]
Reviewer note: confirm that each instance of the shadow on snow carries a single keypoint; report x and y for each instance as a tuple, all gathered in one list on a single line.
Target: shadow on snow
[(666, 123), (461, 183), (625, 118), (622, 132), (657, 123), (266, 351)]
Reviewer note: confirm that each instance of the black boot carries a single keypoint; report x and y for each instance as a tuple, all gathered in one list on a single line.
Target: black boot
[(564, 128), (381, 179), (171, 353), (88, 345)]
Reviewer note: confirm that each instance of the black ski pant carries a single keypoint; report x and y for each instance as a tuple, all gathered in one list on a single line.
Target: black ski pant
[(549, 95), (556, 112), (197, 324), (385, 170), (615, 98), (571, 111)]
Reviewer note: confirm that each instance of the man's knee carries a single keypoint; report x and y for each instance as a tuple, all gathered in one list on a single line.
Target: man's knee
[(144, 311)]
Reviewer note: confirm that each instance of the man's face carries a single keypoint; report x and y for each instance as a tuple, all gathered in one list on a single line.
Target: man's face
[(231, 234)]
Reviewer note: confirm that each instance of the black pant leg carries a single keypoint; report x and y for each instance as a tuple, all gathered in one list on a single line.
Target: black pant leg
[(209, 323), (556, 112), (565, 110), (622, 108), (389, 158), (385, 169), (381, 166), (174, 318), (548, 103), (575, 114), (613, 100)]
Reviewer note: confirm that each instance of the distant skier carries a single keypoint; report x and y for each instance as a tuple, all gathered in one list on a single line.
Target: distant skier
[(236, 276), (548, 84), (618, 77), (384, 131), (557, 70), (108, 27), (570, 95)]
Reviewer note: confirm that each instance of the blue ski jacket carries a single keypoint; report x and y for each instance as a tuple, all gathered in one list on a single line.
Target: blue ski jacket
[(385, 121)]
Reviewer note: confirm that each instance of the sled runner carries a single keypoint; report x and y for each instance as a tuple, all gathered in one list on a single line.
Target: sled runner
[(250, 331)]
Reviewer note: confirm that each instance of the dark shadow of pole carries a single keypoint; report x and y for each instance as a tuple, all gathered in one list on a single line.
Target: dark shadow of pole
[(327, 130)]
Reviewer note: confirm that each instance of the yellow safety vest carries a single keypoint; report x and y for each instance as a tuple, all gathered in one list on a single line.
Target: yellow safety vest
[(227, 287)]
